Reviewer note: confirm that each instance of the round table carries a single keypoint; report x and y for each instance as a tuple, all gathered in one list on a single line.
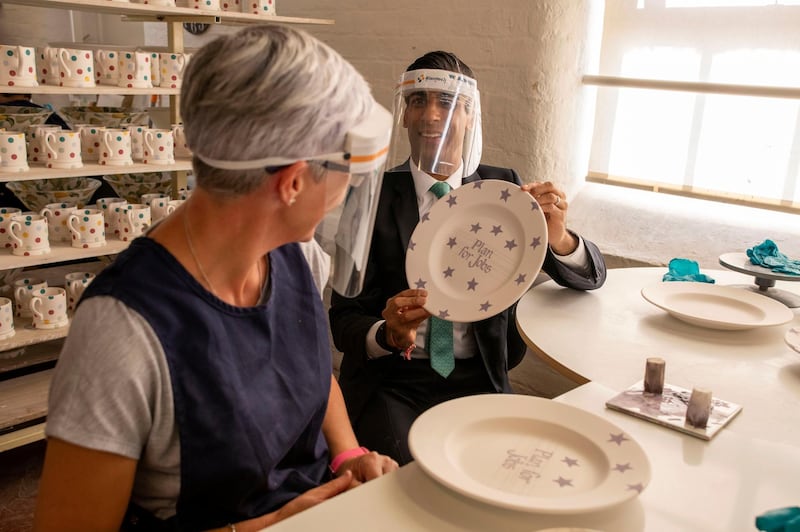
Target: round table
[(606, 335)]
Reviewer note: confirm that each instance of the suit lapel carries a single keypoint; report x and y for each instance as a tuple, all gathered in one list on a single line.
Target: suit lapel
[(404, 204)]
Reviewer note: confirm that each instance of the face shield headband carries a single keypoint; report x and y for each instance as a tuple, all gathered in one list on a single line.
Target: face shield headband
[(437, 122), (364, 158)]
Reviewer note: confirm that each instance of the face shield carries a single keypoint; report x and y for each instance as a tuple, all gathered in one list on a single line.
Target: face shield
[(364, 158), (437, 123)]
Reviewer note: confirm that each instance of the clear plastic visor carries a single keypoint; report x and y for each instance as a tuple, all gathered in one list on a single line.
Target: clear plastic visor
[(437, 125)]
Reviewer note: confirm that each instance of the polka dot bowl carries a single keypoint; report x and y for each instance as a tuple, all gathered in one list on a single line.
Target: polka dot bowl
[(36, 193), (132, 186)]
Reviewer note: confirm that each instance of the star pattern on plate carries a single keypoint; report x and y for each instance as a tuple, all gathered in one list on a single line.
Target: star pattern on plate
[(622, 467), (451, 201), (617, 438), (472, 284), (563, 482), (510, 244), (475, 228), (571, 462), (443, 314), (520, 278), (478, 185), (485, 306), (420, 284), (638, 487), (534, 205), (448, 272), (505, 194), (425, 218), (411, 245), (536, 242), (451, 242), (496, 229)]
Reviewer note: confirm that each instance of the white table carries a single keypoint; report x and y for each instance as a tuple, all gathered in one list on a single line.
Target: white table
[(606, 336), (717, 487)]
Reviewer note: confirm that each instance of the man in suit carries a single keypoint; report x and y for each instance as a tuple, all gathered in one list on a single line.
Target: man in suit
[(387, 376)]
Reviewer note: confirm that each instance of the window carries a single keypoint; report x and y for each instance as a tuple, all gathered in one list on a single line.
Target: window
[(701, 97)]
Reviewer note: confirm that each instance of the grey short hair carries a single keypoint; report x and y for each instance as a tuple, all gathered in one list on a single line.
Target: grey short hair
[(267, 91)]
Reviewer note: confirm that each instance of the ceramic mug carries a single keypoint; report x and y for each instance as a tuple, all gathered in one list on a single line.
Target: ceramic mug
[(57, 215), (6, 318), (6, 214), (258, 7), (205, 5), (76, 67), (134, 70), (34, 135), (63, 149), (29, 235), (137, 141), (134, 222), (115, 147), (158, 147), (179, 138), (173, 204), (13, 153), (112, 209), (90, 141), (47, 66), (158, 208), (231, 5), (49, 308), (106, 64), (75, 283), (18, 66), (24, 288), (87, 228), (173, 65)]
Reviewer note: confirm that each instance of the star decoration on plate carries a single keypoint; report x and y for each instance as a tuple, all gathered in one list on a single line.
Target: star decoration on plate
[(451, 243), (536, 242), (443, 314), (477, 184), (520, 278), (617, 438), (475, 228), (425, 218), (485, 306), (497, 229), (472, 284), (562, 482), (636, 487), (451, 201), (448, 272), (411, 245), (622, 467), (420, 284), (504, 195), (510, 244), (570, 461), (534, 205)]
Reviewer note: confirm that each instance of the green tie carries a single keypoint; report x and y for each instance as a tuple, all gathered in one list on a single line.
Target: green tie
[(440, 332)]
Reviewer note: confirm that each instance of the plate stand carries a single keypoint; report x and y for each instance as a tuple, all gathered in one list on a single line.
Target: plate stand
[(765, 287)]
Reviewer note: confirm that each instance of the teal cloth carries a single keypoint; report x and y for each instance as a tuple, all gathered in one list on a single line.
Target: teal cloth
[(780, 520), (440, 332), (767, 255), (686, 270)]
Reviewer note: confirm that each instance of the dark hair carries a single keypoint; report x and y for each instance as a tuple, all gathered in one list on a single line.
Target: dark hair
[(439, 60)]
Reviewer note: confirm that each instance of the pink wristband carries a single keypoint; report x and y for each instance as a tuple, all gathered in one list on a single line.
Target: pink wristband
[(343, 456)]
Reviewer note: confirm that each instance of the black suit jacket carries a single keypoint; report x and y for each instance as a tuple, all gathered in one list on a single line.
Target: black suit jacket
[(498, 340)]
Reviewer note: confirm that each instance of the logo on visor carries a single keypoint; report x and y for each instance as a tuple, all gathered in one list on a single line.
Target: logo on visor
[(420, 78), (462, 79)]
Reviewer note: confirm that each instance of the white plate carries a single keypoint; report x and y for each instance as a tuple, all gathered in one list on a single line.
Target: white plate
[(477, 250), (792, 338), (716, 306), (527, 453)]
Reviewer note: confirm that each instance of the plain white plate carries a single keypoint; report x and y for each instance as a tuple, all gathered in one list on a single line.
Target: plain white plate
[(792, 338), (528, 453), (715, 306), (477, 250)]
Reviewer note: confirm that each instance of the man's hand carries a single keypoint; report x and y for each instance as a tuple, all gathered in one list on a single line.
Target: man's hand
[(554, 206), (403, 314)]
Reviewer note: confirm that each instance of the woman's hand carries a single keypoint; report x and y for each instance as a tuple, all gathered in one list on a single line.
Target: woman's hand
[(367, 466)]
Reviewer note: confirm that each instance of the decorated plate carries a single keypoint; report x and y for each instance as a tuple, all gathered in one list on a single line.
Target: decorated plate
[(477, 250), (528, 453), (717, 307)]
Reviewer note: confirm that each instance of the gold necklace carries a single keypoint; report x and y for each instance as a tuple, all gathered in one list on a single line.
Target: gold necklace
[(261, 277)]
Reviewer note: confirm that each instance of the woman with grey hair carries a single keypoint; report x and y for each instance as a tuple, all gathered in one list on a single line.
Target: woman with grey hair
[(194, 390)]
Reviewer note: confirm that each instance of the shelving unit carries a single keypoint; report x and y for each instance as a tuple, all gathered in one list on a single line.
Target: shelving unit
[(23, 397)]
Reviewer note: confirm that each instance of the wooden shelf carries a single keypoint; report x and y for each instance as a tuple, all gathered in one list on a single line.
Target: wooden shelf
[(90, 169), (23, 399), (21, 437), (60, 252), (26, 335), (99, 89), (140, 12), (34, 355)]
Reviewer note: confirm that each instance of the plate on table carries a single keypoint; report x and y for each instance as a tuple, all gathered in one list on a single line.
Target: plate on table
[(717, 307), (792, 338), (528, 453), (477, 250)]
